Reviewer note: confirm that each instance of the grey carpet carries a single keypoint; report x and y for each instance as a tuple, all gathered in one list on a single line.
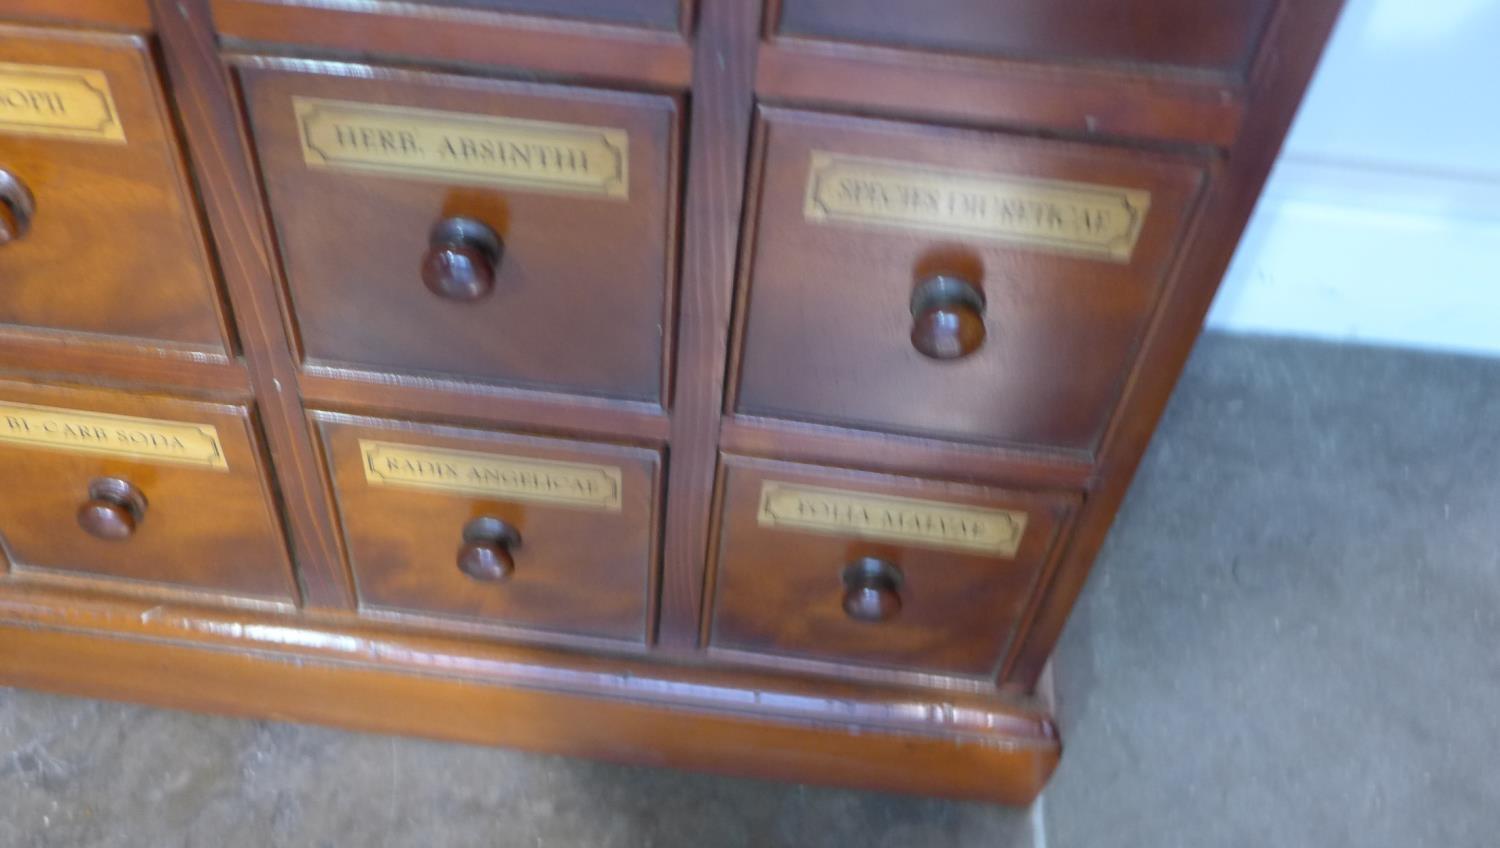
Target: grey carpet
[(1291, 637), (1290, 640)]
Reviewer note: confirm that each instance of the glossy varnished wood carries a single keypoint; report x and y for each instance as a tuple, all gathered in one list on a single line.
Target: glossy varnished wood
[(656, 14), (122, 362), (577, 570), (230, 198), (351, 675), (114, 248), (1072, 99), (1187, 34), (450, 33), (349, 390), (208, 529), (828, 325), (901, 454), (724, 67), (581, 295), (780, 590), (123, 14), (904, 698)]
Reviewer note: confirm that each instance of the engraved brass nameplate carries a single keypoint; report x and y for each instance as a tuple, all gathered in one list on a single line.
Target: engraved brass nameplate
[(1075, 218), (60, 102), (512, 478), (932, 524), (146, 439), (464, 148)]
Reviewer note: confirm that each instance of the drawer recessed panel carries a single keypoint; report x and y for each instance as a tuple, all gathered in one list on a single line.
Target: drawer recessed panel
[(98, 232), (500, 232), (653, 14), (951, 283), (868, 569), (492, 528), (140, 488), (1189, 34)]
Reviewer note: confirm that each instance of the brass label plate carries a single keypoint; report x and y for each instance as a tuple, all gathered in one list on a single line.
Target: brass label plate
[(463, 148), (1101, 222), (58, 102), (146, 439), (932, 524), (512, 478)]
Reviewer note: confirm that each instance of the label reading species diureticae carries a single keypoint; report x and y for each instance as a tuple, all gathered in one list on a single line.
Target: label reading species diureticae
[(1096, 221)]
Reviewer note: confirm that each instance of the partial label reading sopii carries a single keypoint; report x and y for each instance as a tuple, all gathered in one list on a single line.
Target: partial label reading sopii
[(45, 100)]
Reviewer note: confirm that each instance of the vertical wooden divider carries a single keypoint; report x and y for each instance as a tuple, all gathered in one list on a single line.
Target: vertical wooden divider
[(217, 148), (721, 106)]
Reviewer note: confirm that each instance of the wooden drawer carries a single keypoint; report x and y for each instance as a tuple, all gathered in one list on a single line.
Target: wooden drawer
[(1035, 263), (1190, 34), (513, 530), (850, 567), (385, 187), (140, 488), (653, 14), (108, 242)]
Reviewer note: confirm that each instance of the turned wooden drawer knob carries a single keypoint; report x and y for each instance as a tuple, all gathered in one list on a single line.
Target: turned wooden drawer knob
[(113, 509), (872, 590), (17, 207), (486, 553), (947, 318), (462, 255)]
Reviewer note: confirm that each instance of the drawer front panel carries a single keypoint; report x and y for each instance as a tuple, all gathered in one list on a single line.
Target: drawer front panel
[(653, 14), (423, 509), (109, 241), (807, 557), (482, 230), (139, 488), (1183, 33), (1050, 257)]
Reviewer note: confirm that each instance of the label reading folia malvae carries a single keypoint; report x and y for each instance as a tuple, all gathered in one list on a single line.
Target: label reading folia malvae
[(932, 524), (43, 100), (125, 436), (463, 148), (1101, 222)]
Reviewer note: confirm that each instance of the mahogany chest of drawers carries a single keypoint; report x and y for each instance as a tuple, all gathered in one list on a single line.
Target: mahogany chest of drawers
[(720, 384)]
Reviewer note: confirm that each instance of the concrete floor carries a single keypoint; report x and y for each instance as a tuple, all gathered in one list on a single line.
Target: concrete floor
[(1290, 640)]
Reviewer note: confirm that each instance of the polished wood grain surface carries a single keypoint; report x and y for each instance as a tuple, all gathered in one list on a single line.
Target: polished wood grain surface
[(1078, 100), (776, 438), (232, 206), (748, 524), (581, 293), (114, 247), (829, 323), (350, 390), (1190, 34), (465, 34), (884, 738), (585, 568), (662, 14), (123, 14), (95, 497), (790, 590), (719, 139)]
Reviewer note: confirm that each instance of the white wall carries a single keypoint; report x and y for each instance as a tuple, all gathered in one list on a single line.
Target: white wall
[(1381, 222)]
